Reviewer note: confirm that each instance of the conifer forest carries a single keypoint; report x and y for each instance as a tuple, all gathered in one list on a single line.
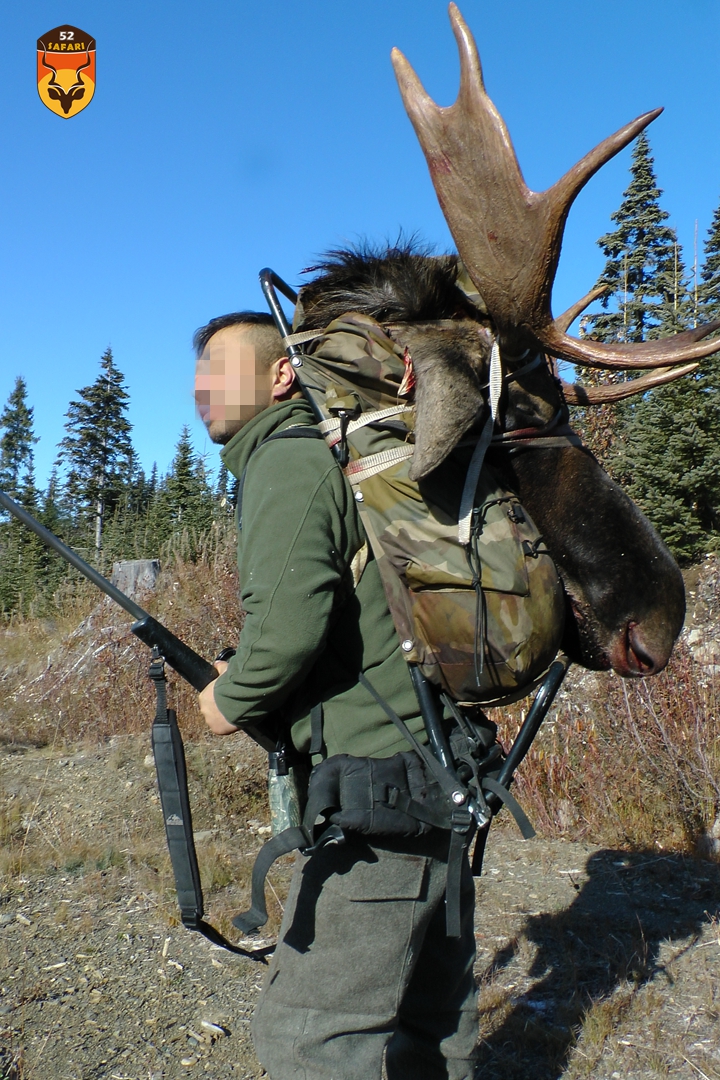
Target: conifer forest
[(660, 446)]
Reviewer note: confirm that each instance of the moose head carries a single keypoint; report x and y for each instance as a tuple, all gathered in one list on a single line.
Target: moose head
[(58, 93), (625, 595)]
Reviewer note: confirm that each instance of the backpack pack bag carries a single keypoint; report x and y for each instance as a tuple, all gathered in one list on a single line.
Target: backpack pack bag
[(474, 594)]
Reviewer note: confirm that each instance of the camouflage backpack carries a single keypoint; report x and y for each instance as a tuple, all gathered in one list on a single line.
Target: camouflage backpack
[(474, 595)]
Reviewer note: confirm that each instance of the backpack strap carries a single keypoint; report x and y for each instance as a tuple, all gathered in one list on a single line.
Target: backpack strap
[(299, 431)]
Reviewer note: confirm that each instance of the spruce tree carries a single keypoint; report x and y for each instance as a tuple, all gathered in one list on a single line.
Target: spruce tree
[(709, 288), (671, 453), (185, 503), (21, 552), (643, 269), (16, 442), (97, 449)]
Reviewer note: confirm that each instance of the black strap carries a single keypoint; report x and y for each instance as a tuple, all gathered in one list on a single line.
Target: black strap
[(461, 834), (512, 804), (316, 729), (479, 850), (299, 432), (284, 842), (169, 755)]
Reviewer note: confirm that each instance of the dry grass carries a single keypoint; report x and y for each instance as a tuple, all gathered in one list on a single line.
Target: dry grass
[(622, 762), (617, 761), (83, 675)]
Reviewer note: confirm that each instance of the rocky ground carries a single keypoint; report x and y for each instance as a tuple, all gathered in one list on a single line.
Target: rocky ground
[(592, 963)]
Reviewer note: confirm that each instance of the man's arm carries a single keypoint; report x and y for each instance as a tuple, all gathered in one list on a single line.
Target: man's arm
[(296, 514)]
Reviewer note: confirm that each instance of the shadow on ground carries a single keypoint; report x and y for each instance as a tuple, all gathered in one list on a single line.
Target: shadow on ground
[(609, 936)]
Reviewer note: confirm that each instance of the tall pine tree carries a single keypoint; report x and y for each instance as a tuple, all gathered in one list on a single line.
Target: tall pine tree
[(672, 455), (97, 449), (185, 504), (21, 553), (16, 443), (663, 446), (709, 287), (643, 272)]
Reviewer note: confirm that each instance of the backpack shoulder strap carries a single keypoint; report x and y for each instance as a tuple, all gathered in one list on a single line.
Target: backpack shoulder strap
[(298, 432)]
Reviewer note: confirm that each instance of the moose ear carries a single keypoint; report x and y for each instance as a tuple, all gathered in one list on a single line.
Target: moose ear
[(448, 366)]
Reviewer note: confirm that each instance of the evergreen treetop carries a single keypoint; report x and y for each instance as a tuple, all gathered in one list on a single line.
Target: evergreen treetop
[(709, 289), (644, 269), (97, 448), (16, 445)]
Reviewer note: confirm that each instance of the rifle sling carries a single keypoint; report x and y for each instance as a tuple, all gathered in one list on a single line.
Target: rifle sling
[(169, 757)]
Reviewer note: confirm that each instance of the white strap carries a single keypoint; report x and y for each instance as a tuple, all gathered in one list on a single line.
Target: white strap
[(299, 339), (467, 501), (331, 428), (365, 467)]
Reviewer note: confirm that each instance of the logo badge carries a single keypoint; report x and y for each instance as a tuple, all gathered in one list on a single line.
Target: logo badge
[(66, 70)]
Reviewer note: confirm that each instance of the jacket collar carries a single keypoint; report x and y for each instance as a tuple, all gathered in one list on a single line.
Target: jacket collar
[(236, 454)]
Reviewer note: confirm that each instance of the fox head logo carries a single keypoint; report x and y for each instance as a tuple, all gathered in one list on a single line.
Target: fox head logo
[(66, 70)]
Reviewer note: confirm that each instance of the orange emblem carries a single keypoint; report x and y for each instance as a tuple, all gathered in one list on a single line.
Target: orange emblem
[(66, 70)]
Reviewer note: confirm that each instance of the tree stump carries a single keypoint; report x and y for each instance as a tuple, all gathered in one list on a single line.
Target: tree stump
[(133, 576)]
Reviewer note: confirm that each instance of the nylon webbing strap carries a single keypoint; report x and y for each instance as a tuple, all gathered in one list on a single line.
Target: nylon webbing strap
[(316, 729), (462, 832), (365, 467), (286, 841), (488, 784)]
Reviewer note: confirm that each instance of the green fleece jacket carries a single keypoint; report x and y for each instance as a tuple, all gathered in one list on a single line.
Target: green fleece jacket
[(307, 633)]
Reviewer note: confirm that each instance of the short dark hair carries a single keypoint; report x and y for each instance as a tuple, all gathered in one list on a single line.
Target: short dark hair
[(235, 318)]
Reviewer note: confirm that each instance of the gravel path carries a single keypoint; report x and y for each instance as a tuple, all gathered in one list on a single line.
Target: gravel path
[(592, 963)]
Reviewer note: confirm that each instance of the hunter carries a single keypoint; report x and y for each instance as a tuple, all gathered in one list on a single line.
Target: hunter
[(364, 970)]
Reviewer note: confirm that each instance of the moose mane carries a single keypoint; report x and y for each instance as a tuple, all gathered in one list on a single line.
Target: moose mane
[(402, 283)]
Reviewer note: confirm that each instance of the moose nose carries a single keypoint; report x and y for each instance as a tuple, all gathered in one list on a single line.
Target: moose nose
[(638, 656)]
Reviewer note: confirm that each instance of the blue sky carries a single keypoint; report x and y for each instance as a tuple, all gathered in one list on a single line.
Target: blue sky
[(224, 137)]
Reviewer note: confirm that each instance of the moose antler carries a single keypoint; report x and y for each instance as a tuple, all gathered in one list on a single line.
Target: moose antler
[(509, 237), (577, 394)]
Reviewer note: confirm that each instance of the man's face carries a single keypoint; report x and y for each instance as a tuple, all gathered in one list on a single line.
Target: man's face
[(231, 385)]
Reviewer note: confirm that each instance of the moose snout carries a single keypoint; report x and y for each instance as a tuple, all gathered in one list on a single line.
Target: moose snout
[(638, 651)]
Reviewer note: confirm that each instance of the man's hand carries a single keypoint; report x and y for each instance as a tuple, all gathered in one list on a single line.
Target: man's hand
[(213, 717)]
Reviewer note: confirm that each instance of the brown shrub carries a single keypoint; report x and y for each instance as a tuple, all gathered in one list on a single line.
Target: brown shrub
[(625, 761), (93, 682), (617, 761)]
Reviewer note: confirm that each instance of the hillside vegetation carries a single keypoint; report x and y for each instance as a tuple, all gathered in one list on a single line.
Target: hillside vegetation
[(617, 761)]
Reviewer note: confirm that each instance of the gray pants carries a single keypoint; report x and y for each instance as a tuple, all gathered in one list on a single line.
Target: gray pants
[(364, 963)]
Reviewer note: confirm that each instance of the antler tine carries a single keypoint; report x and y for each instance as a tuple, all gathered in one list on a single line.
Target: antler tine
[(567, 188), (509, 237), (568, 317), (418, 103), (577, 394), (665, 352)]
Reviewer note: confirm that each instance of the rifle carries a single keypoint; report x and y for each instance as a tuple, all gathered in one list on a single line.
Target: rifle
[(167, 741)]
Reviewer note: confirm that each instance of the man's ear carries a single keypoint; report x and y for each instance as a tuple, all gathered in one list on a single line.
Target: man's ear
[(283, 380)]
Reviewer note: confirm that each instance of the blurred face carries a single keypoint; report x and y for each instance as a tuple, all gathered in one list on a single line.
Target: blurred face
[(231, 385)]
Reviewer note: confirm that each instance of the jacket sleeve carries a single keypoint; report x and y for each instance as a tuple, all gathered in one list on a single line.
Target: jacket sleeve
[(293, 556)]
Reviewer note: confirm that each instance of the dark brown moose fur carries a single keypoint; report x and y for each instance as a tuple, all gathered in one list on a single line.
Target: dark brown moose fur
[(624, 592)]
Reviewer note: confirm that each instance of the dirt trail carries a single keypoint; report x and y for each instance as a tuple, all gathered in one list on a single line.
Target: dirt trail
[(593, 963)]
